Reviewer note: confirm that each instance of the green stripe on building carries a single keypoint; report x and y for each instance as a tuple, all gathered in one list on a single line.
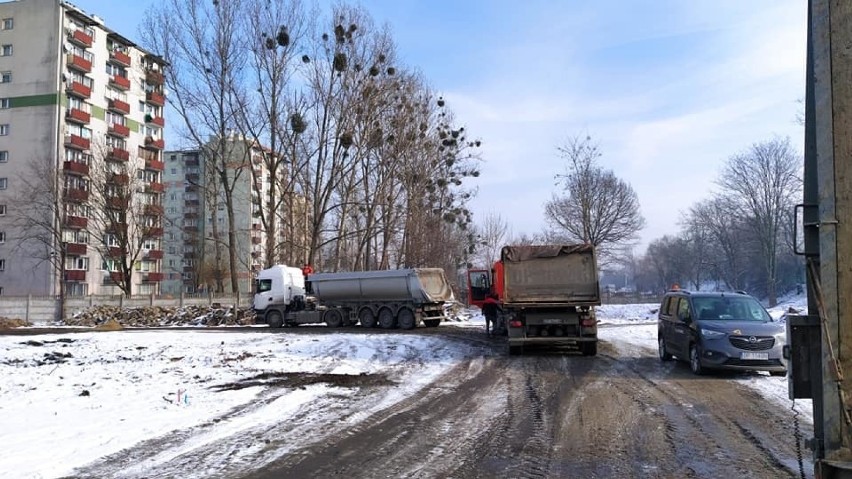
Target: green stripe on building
[(34, 100)]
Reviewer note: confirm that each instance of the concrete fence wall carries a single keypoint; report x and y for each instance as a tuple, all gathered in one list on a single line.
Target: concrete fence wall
[(41, 310)]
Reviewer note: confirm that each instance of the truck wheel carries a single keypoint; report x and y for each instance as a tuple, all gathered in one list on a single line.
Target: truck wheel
[(406, 319), (589, 348), (431, 323), (274, 319), (386, 319), (333, 318), (515, 350), (368, 320)]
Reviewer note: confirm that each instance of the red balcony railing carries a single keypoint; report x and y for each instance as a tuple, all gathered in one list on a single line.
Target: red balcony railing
[(116, 276), (155, 187), (150, 142), (119, 130), (76, 62), (115, 252), (154, 210), (78, 89), (76, 222), (119, 57), (77, 115), (75, 274), (155, 120), (155, 98), (119, 179), (154, 77), (119, 154), (156, 231), (77, 249), (154, 277), (76, 167), (75, 194), (78, 142), (80, 37), (120, 82), (119, 106), (155, 165), (155, 254), (116, 203)]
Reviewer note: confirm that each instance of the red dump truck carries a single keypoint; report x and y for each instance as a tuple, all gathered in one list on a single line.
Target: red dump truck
[(548, 295)]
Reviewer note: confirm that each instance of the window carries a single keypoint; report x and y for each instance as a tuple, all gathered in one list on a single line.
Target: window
[(2, 236), (5, 103), (4, 156), (3, 183), (683, 309), (77, 263), (8, 23), (2, 210), (4, 129), (6, 51), (2, 265), (5, 77)]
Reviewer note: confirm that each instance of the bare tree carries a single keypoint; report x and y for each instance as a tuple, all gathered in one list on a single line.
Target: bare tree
[(491, 235), (727, 238), (595, 206), (763, 183)]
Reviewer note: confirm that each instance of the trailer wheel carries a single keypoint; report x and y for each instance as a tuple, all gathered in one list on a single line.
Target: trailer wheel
[(406, 319), (386, 319), (333, 318), (431, 323), (367, 318), (274, 319)]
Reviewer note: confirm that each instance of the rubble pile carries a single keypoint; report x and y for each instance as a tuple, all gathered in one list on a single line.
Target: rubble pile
[(155, 316), (9, 323)]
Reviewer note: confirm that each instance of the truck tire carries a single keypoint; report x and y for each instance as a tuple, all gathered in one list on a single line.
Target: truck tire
[(406, 319), (515, 350), (367, 318), (274, 319), (589, 348), (431, 323), (386, 319), (333, 318)]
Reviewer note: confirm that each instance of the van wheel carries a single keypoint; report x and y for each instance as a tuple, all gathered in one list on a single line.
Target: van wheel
[(274, 319), (367, 318), (661, 350), (386, 319), (695, 361), (406, 319), (333, 318), (589, 348)]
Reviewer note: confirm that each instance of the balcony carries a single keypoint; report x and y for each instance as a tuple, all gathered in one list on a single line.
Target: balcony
[(155, 165), (76, 167), (116, 276), (156, 231), (115, 252), (75, 275), (119, 130), (192, 178), (154, 77), (77, 195), (192, 162), (190, 215), (80, 38), (154, 210), (154, 187), (118, 56), (155, 98), (76, 222), (155, 120), (76, 62), (120, 82), (158, 144), (119, 106), (119, 179), (155, 254), (255, 240), (78, 89), (189, 269), (119, 154), (76, 249), (78, 142), (155, 277), (116, 203), (76, 115)]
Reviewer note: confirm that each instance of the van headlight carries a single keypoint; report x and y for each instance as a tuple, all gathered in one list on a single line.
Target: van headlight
[(710, 334)]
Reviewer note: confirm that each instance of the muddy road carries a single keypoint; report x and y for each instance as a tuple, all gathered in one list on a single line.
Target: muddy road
[(552, 414), (541, 415)]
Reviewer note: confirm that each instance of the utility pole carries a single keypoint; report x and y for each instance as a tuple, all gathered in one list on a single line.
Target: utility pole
[(821, 342)]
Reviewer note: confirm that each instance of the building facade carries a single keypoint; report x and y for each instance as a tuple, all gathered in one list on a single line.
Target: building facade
[(88, 101)]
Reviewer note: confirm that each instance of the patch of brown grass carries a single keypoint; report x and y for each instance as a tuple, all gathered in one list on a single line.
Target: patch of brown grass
[(10, 323)]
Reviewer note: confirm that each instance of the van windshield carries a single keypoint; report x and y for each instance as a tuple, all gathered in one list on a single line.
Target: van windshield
[(730, 308)]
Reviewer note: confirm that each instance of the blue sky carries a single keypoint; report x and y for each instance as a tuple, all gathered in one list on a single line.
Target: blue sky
[(668, 88)]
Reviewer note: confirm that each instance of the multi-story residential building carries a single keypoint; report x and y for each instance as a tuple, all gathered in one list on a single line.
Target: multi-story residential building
[(90, 102)]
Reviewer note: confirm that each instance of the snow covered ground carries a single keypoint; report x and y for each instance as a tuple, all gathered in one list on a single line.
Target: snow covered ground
[(67, 400)]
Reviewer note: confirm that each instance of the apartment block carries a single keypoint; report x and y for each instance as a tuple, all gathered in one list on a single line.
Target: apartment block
[(83, 98)]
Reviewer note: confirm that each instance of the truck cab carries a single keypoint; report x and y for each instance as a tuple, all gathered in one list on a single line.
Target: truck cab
[(278, 287)]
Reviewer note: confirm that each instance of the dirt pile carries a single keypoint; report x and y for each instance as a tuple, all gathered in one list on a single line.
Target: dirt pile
[(9, 323), (155, 316)]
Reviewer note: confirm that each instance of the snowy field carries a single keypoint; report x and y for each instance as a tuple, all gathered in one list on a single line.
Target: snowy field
[(68, 399)]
